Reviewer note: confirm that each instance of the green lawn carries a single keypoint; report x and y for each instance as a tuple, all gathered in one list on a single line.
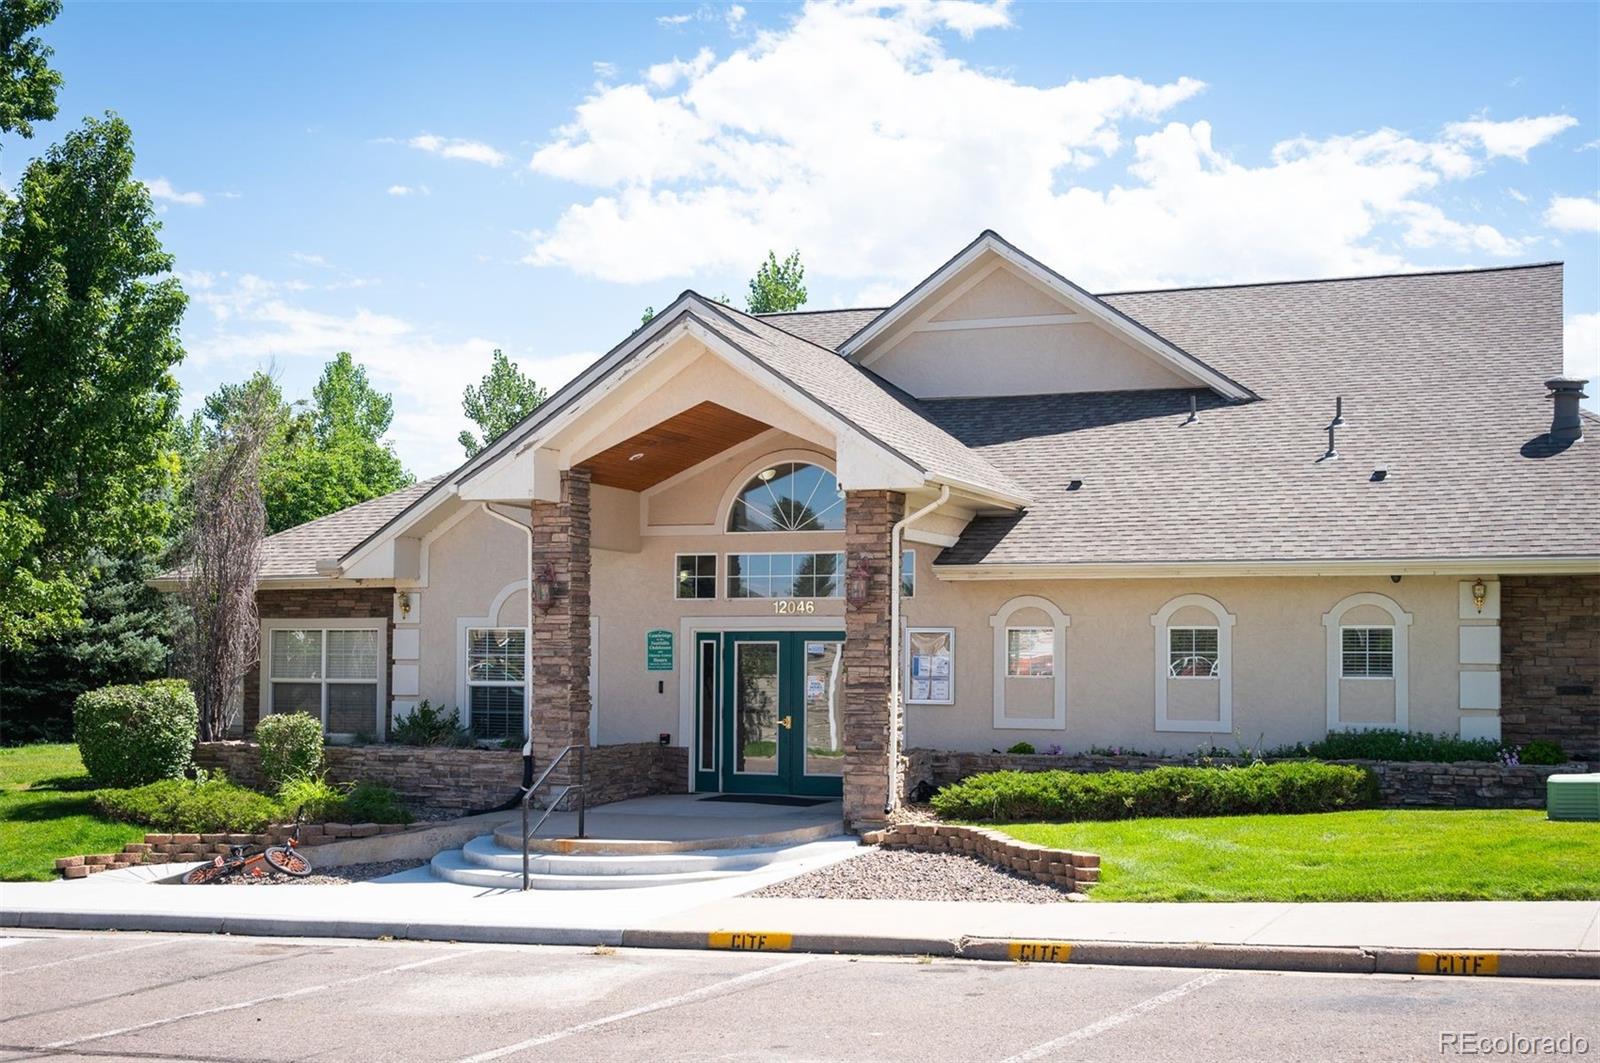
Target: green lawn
[(1382, 855), (45, 813)]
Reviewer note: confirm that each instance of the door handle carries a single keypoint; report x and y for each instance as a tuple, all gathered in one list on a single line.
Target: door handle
[(786, 722)]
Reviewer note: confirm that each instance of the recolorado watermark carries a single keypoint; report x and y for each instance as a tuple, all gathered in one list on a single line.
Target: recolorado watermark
[(1521, 1045)]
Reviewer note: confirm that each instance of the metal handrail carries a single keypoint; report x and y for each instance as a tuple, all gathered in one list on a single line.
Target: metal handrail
[(554, 803)]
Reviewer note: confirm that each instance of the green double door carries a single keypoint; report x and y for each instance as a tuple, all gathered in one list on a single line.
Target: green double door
[(770, 712)]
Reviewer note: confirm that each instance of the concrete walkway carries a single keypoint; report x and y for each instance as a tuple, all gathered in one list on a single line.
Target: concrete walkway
[(1555, 938)]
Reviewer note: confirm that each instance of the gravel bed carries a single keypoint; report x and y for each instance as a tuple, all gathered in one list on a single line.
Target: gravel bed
[(907, 875), (326, 876)]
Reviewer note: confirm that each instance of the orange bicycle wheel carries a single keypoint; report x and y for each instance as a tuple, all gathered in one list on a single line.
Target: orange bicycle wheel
[(209, 872), (284, 859)]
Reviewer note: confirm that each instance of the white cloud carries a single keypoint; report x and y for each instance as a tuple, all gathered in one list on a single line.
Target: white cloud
[(603, 70), (1513, 138), (1577, 214), (674, 20), (458, 148), (1581, 349), (1519, 196), (161, 189), (409, 190), (902, 153), (306, 259), (245, 320)]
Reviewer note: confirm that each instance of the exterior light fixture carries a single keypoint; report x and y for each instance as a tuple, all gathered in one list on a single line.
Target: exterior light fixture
[(403, 600), (766, 474), (1480, 594), (859, 588), (544, 587), (636, 456)]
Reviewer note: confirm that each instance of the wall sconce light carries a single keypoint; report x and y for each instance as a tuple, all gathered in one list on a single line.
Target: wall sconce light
[(403, 600), (544, 586), (1480, 594), (860, 585)]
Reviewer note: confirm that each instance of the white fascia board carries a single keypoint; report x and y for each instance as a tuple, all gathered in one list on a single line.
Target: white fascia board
[(1141, 338), (1502, 566)]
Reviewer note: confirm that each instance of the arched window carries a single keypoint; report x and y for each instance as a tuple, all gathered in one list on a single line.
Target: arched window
[(1194, 665), (788, 496)]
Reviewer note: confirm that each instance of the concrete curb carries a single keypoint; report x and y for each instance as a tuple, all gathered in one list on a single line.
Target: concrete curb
[(1516, 963)]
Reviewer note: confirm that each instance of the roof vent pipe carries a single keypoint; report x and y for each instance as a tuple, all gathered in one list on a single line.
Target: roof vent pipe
[(1566, 424)]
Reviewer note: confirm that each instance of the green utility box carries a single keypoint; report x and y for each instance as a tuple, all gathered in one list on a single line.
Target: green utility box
[(1573, 796)]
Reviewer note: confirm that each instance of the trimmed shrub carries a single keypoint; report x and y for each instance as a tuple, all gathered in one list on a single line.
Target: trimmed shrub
[(1389, 744), (215, 806), (1012, 796), (131, 735), (1022, 748), (320, 801), (369, 802), (291, 747), (1542, 752), (428, 726)]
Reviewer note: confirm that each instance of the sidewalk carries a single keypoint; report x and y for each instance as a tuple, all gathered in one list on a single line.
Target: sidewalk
[(1535, 939)]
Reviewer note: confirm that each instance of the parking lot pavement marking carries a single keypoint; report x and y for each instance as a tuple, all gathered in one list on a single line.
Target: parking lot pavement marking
[(269, 999), (693, 995), (87, 956), (1116, 1019)]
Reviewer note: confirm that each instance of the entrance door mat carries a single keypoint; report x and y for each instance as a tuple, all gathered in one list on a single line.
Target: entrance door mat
[(769, 799)]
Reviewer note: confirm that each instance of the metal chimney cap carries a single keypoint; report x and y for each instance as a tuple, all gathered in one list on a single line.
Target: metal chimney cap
[(1567, 384)]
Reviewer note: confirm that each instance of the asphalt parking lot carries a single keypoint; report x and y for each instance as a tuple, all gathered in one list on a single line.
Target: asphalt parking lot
[(157, 997)]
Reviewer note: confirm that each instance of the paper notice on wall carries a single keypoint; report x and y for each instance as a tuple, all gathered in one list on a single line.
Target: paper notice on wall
[(922, 665), (941, 666), (814, 686), (939, 689), (919, 689)]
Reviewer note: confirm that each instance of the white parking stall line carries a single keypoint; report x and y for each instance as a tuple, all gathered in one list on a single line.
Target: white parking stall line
[(1117, 1018), (269, 999), (693, 995), (87, 957)]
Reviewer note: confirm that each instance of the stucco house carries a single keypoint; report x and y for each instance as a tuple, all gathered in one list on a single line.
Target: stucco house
[(781, 549)]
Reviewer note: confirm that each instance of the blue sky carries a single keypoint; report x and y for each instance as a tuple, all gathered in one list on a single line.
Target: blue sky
[(421, 183)]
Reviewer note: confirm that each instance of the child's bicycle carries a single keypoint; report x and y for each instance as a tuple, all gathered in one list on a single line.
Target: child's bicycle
[(239, 859)]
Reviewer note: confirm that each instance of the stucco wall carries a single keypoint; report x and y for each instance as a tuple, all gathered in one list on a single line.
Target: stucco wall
[(1035, 359), (1279, 640)]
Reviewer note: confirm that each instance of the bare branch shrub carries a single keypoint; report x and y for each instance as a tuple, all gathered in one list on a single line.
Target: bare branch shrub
[(221, 559)]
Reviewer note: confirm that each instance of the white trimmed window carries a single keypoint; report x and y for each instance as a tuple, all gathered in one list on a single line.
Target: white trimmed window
[(327, 670), (1192, 652), (496, 681), (1030, 652), (1366, 652), (697, 576), (908, 574)]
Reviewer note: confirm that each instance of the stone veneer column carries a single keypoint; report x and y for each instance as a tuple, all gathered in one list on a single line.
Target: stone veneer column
[(561, 632), (1550, 662), (869, 519)]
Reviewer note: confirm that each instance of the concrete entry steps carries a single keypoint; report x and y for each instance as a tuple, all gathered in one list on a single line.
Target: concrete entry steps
[(484, 862), (652, 841), (678, 823)]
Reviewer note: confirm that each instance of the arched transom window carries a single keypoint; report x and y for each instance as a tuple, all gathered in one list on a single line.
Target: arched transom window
[(788, 496)]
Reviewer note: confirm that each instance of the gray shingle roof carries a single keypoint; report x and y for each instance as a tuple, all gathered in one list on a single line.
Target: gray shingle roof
[(1442, 377), (826, 328), (294, 553)]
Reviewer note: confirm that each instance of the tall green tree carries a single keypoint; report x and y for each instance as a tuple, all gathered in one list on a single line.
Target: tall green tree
[(27, 84), (777, 286), (502, 398), (89, 316), (318, 457)]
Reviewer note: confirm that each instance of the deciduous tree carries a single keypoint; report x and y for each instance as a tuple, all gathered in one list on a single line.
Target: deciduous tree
[(27, 84), (777, 286), (502, 398)]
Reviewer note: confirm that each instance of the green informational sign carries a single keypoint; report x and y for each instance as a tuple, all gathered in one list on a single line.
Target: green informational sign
[(658, 650)]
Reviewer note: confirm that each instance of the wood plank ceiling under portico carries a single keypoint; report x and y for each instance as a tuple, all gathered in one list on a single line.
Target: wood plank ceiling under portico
[(674, 445)]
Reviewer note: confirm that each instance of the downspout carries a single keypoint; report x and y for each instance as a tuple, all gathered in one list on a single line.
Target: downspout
[(896, 709), (527, 648)]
